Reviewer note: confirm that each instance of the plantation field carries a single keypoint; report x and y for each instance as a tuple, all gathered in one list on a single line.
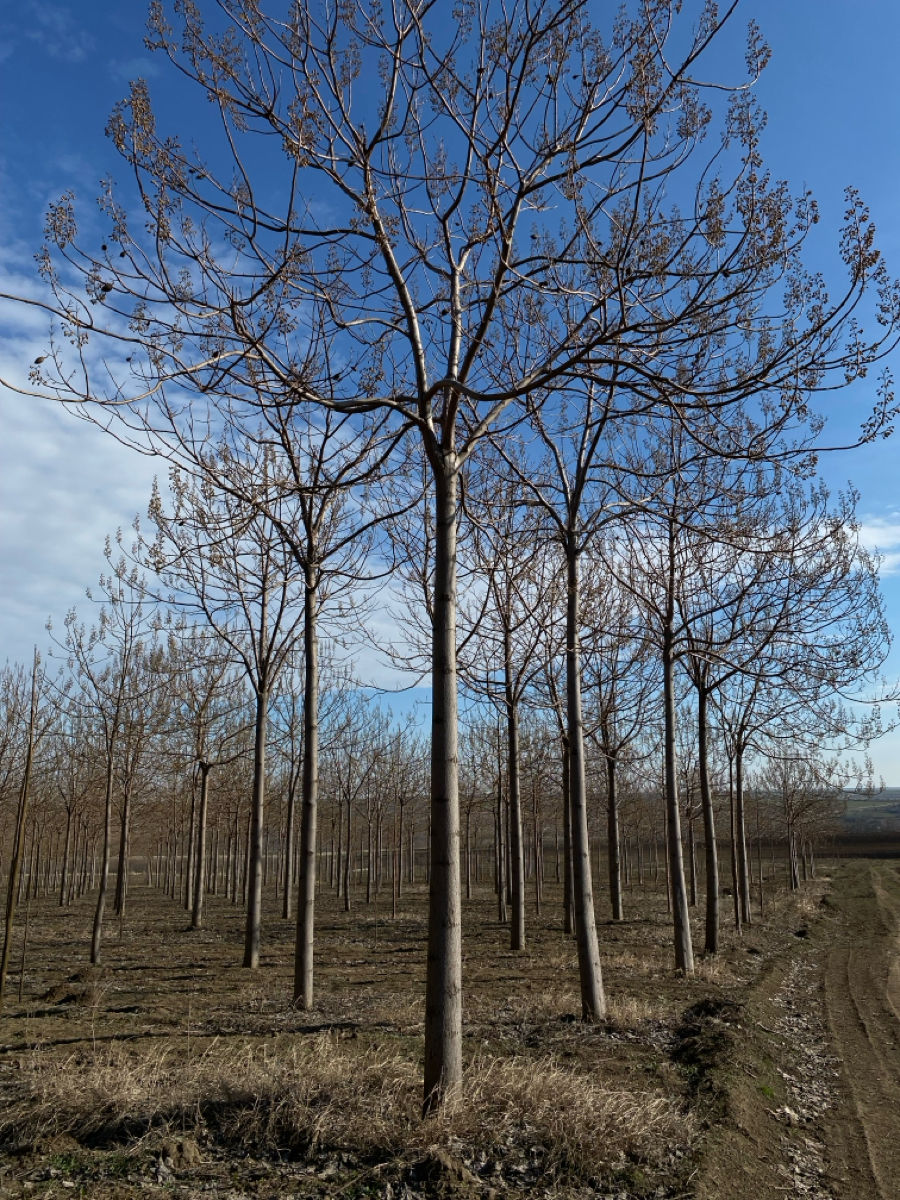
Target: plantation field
[(171, 1070)]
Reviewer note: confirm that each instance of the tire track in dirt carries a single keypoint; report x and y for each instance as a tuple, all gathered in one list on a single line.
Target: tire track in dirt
[(862, 995)]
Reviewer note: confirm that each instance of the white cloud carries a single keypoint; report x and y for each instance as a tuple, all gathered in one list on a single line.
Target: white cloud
[(64, 485), (882, 535)]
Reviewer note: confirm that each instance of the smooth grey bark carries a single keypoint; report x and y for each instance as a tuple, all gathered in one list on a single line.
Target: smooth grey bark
[(568, 873), (306, 891), (443, 980), (500, 848), (122, 868), (740, 830), (711, 940), (684, 952), (348, 857), (67, 851), (593, 999), (97, 928), (191, 850), (514, 792), (287, 871), (735, 888), (614, 852), (254, 868), (200, 869)]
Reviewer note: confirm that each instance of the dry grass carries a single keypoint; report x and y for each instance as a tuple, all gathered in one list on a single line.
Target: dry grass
[(327, 1093)]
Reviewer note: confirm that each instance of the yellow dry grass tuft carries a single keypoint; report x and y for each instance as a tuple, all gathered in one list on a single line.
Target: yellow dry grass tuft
[(331, 1093)]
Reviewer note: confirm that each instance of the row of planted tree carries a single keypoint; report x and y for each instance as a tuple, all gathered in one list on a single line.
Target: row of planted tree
[(497, 322), (144, 740)]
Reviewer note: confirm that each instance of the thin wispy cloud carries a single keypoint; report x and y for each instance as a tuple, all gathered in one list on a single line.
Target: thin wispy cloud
[(57, 30), (139, 67)]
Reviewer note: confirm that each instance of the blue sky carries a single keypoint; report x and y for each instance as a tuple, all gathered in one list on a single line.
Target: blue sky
[(834, 117)]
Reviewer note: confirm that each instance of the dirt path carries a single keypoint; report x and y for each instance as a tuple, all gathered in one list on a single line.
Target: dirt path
[(861, 971)]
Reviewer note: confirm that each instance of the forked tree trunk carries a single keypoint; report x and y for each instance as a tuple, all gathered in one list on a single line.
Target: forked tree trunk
[(593, 1000), (443, 980), (306, 892)]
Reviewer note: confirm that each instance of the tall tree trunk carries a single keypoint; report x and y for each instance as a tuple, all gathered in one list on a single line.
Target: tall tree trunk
[(500, 845), (740, 824), (254, 869), (684, 952), (97, 929), (309, 804), (514, 792), (15, 864), (187, 878), (122, 869), (348, 859), (568, 873), (711, 941), (443, 981), (67, 850), (400, 863), (612, 839), (200, 869), (735, 888), (593, 1000)]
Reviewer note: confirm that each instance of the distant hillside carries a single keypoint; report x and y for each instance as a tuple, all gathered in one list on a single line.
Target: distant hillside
[(873, 814)]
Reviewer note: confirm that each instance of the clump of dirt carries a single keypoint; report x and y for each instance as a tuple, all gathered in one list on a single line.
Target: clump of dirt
[(703, 1045)]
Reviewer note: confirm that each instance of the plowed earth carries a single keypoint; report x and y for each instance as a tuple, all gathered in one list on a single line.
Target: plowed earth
[(778, 1064)]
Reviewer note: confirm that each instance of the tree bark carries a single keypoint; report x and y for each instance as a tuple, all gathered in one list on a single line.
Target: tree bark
[(200, 869), (514, 792), (443, 983), (593, 1000), (67, 851), (711, 942), (612, 838), (254, 872), (97, 929), (15, 865), (122, 869), (684, 952), (306, 891), (740, 824)]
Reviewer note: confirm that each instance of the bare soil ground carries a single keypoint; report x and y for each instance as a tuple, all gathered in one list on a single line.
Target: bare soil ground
[(170, 1070)]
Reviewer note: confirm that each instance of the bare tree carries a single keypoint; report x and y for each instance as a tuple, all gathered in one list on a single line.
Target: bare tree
[(35, 725), (497, 174), (223, 558), (107, 662)]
